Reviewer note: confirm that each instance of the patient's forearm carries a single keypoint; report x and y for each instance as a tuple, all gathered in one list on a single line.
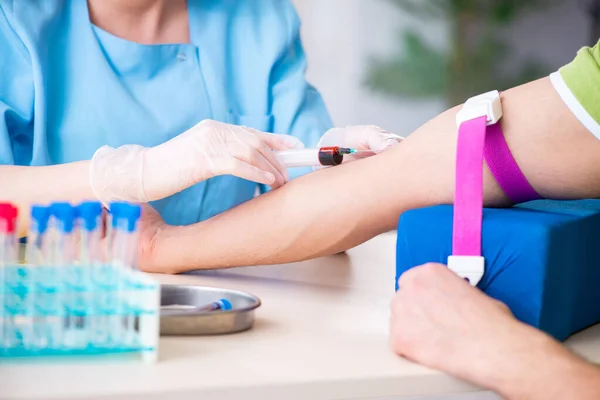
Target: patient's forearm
[(25, 186), (338, 208)]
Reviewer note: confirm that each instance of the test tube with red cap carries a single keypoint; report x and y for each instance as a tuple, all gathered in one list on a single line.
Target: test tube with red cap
[(8, 234), (8, 259)]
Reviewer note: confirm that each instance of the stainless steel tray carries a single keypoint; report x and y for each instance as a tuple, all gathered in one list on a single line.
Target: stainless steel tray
[(184, 322)]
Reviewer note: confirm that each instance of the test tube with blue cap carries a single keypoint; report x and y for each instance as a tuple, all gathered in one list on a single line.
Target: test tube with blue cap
[(63, 250), (37, 249), (8, 259), (124, 234), (123, 252), (91, 258), (78, 276), (90, 216), (62, 254), (36, 237)]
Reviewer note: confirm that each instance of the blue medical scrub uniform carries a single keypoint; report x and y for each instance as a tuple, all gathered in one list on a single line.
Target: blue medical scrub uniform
[(68, 87)]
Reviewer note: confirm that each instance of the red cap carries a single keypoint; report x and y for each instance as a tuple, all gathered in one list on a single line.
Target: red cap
[(8, 217)]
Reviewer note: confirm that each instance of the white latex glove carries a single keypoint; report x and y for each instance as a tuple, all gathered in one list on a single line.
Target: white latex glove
[(139, 174), (361, 137)]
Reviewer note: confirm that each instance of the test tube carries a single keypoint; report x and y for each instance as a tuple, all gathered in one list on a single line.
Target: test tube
[(90, 250), (34, 255), (62, 254), (36, 238), (63, 251), (124, 234), (123, 252), (90, 266), (8, 260)]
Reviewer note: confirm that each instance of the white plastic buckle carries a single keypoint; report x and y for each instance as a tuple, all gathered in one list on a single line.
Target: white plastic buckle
[(487, 104), (467, 267)]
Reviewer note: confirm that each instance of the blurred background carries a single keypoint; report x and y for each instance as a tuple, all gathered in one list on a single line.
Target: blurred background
[(397, 63)]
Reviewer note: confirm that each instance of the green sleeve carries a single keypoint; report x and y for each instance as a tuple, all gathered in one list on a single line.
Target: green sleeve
[(582, 77)]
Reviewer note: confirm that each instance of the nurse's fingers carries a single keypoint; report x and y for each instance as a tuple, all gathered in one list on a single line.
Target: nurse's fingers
[(277, 141), (255, 153), (263, 142), (272, 158), (249, 172)]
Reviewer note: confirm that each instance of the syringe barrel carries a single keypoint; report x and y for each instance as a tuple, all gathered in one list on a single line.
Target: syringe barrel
[(299, 158), (324, 156)]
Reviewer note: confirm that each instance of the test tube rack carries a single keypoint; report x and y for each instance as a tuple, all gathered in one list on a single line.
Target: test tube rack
[(77, 310)]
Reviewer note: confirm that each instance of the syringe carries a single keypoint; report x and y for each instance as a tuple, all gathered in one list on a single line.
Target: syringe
[(8, 259), (324, 156), (181, 309)]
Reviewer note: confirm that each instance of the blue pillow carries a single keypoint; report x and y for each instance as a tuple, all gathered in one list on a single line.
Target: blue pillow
[(542, 258)]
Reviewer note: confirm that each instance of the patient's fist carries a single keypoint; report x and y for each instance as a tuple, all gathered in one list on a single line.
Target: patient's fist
[(151, 224), (441, 321)]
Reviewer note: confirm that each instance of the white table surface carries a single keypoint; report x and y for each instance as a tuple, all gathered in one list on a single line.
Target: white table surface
[(321, 333)]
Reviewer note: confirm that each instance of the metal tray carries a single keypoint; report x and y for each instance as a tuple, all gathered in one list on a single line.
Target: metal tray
[(186, 322)]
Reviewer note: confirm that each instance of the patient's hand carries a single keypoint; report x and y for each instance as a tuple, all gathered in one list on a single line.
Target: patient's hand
[(440, 321), (151, 225)]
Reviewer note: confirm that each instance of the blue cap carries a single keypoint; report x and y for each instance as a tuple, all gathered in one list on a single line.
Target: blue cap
[(125, 212), (41, 215), (90, 212), (66, 214), (225, 304)]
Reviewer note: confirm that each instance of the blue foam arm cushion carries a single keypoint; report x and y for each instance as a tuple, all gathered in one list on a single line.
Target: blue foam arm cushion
[(542, 258)]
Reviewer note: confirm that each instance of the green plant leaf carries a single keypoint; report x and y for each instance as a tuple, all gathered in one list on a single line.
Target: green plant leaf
[(530, 71), (424, 8), (469, 66), (419, 72), (493, 11)]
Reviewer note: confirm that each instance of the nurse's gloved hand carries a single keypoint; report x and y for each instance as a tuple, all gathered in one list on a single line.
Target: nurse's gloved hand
[(139, 174), (362, 137)]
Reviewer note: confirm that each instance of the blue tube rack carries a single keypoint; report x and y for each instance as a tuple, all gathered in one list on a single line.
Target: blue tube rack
[(77, 310)]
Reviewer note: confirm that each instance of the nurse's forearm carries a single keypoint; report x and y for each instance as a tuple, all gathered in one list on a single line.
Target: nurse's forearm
[(25, 186), (338, 208)]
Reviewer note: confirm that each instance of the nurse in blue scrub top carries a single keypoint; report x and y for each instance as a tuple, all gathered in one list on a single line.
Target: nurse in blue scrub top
[(161, 101)]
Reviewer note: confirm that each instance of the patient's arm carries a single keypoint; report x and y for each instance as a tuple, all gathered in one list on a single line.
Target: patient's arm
[(338, 208)]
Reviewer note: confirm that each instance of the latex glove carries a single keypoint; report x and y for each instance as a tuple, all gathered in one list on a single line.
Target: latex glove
[(360, 137), (138, 174), (442, 322)]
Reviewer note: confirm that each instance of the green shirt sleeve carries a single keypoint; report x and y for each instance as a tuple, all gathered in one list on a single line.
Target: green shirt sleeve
[(582, 77)]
